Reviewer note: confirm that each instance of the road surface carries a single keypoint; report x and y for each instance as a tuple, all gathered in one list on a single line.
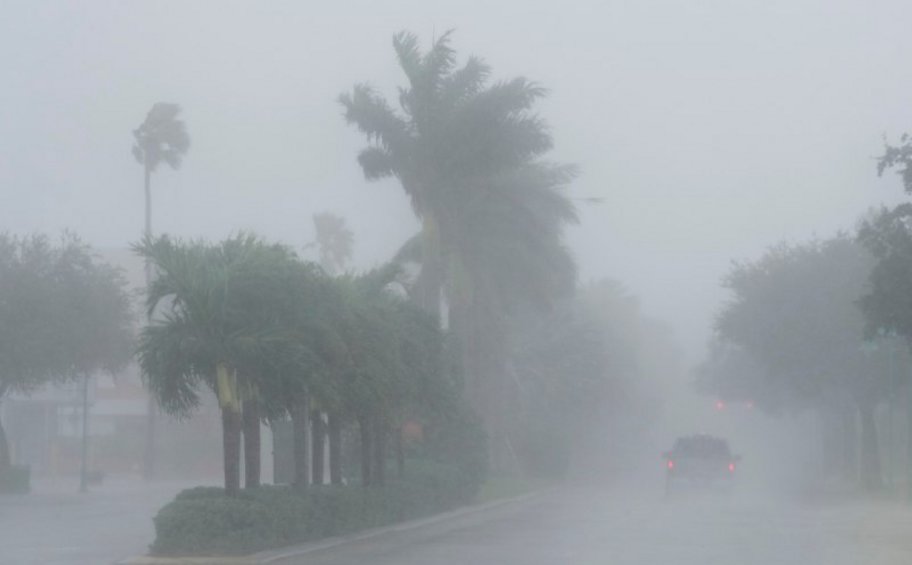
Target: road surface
[(582, 526), (571, 525), (56, 525)]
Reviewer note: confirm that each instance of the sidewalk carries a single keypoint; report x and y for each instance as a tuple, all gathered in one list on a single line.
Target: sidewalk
[(57, 525)]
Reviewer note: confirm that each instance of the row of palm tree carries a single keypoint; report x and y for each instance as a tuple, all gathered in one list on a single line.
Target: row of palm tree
[(274, 336), (470, 154)]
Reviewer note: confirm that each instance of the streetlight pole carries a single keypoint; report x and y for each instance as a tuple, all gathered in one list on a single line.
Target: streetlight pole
[(84, 471), (151, 405), (909, 440)]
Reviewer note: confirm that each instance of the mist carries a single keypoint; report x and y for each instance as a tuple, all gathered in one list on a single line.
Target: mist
[(704, 135)]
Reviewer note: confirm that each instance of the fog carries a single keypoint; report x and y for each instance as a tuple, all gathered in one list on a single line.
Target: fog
[(704, 132), (710, 131)]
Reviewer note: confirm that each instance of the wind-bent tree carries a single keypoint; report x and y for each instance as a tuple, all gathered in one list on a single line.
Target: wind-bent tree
[(898, 157), (397, 371), (334, 242), (888, 235), (298, 369), (161, 138), (63, 315), (468, 153), (888, 304), (796, 313), (219, 314)]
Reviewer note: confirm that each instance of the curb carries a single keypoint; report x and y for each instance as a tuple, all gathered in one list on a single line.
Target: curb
[(272, 556)]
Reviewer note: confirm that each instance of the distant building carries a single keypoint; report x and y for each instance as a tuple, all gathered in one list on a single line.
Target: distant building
[(45, 428)]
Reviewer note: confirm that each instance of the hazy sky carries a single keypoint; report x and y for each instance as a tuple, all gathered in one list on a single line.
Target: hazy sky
[(712, 129)]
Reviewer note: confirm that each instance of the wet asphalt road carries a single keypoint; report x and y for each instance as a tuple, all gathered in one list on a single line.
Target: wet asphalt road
[(589, 525), (570, 525)]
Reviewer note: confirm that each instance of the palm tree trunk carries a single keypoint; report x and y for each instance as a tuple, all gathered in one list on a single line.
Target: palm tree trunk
[(379, 471), (335, 449), (319, 445), (301, 444), (364, 426), (5, 459), (251, 445), (850, 443), (151, 405), (231, 449), (430, 279), (400, 453)]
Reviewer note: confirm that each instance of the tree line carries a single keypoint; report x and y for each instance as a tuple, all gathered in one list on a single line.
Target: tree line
[(273, 335), (824, 325)]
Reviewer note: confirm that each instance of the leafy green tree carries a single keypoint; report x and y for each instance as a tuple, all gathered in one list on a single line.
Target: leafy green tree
[(886, 233), (469, 154), (63, 315), (795, 312), (888, 304), (898, 157), (161, 138)]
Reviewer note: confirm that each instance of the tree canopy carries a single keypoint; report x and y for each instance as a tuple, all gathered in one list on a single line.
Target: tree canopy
[(268, 333), (793, 337), (161, 138), (63, 314), (470, 155)]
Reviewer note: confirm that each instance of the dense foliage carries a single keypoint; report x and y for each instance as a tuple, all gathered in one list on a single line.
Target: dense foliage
[(793, 337), (63, 315), (274, 336)]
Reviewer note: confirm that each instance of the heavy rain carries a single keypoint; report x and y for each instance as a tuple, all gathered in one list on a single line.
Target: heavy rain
[(444, 282)]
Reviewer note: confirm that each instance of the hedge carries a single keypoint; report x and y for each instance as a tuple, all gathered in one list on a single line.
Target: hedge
[(204, 521), (15, 479)]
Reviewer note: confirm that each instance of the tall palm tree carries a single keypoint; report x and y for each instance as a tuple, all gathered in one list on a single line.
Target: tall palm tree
[(468, 153), (162, 137), (334, 241)]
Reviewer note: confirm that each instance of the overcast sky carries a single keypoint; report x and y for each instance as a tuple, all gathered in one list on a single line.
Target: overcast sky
[(712, 129)]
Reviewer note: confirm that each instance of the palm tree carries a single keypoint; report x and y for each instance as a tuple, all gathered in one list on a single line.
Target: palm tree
[(162, 137), (469, 156), (333, 241), (219, 322)]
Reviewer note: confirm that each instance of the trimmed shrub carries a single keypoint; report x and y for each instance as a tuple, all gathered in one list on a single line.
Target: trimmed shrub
[(204, 521), (460, 444), (16, 479)]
